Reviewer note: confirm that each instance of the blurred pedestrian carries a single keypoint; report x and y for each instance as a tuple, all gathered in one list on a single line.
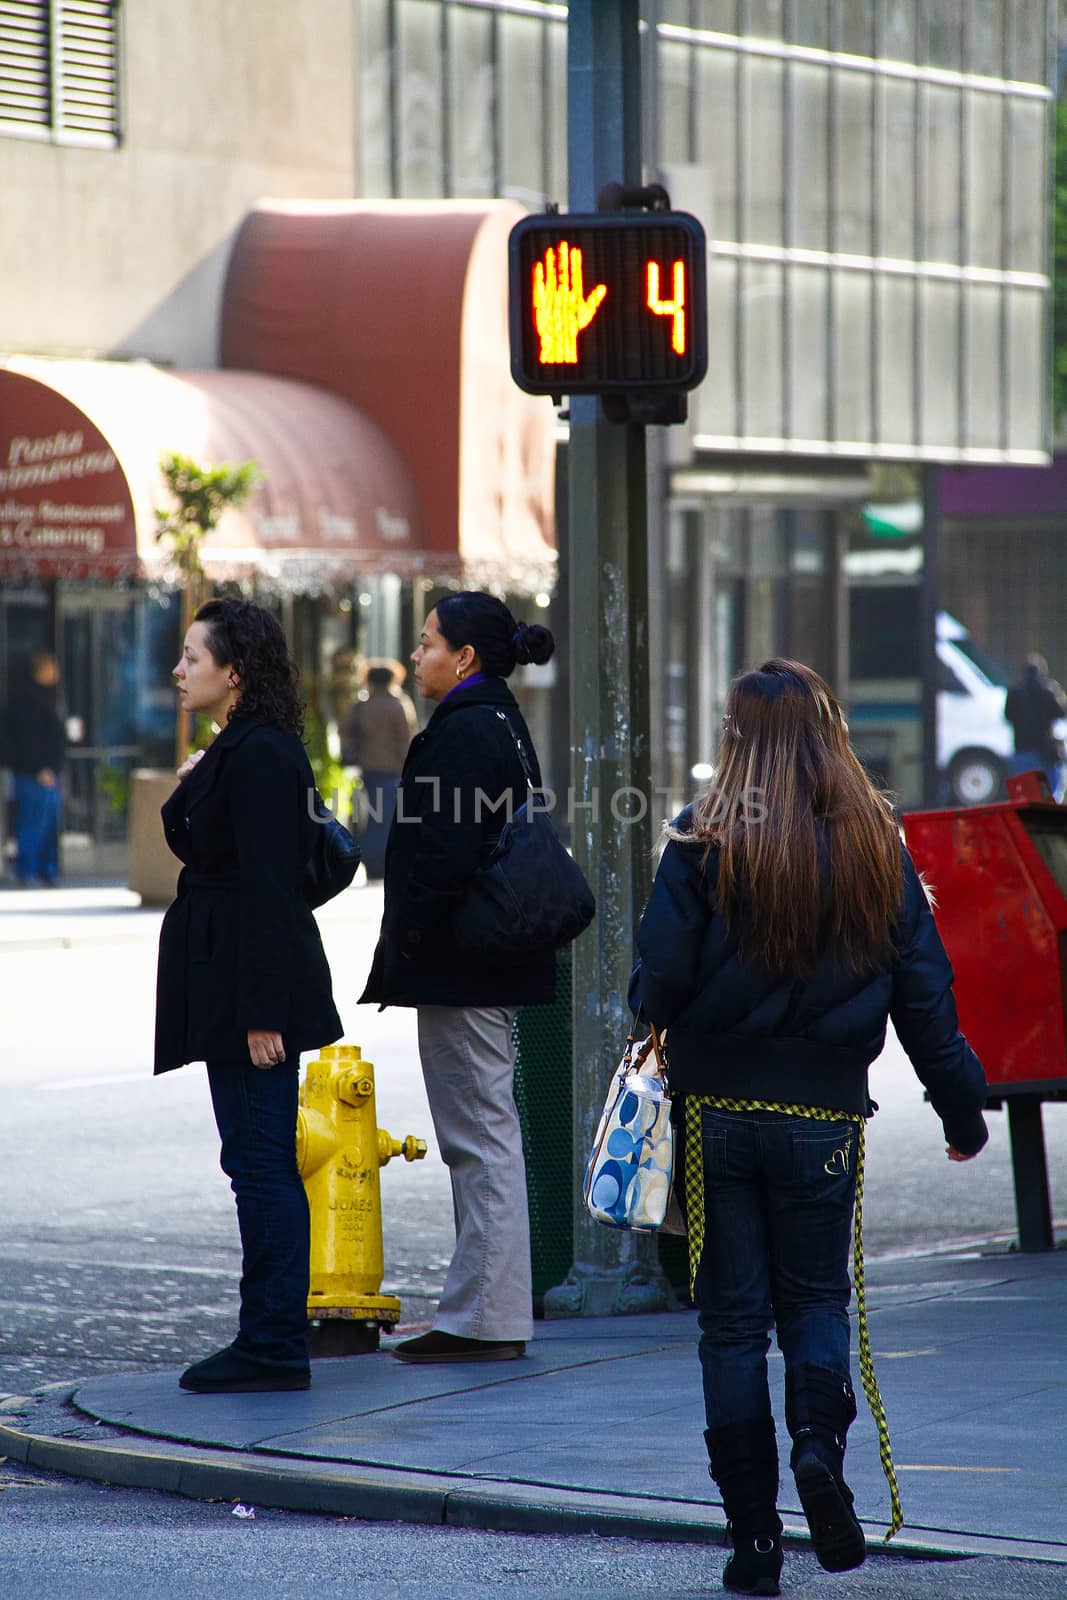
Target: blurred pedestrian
[(462, 774), (375, 735), (36, 748), (1034, 706), (243, 980), (787, 923)]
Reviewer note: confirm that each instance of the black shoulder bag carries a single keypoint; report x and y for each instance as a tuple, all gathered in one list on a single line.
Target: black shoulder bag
[(335, 855), (530, 895)]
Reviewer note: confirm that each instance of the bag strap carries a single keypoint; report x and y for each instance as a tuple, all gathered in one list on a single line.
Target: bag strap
[(655, 1044), (519, 746)]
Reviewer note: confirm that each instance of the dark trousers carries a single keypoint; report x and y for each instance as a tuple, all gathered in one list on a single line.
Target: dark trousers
[(255, 1110), (36, 830), (380, 790), (778, 1198)]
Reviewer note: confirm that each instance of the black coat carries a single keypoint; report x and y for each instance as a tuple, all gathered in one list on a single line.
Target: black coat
[(441, 834), (738, 1031), (239, 948), (34, 737)]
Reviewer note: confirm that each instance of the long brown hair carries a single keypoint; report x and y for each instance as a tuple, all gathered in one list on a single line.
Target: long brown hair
[(809, 853)]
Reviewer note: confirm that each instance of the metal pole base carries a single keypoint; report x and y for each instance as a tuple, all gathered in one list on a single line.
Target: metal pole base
[(1029, 1167), (597, 1291)]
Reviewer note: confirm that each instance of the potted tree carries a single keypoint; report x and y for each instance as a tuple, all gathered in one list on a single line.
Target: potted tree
[(200, 494)]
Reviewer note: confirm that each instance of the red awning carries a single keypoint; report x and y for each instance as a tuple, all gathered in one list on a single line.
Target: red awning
[(401, 308), (80, 444)]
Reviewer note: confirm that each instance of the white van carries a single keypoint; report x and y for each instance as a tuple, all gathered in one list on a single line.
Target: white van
[(974, 740)]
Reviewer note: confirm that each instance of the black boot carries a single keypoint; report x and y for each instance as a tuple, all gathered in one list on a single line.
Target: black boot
[(743, 1459), (819, 1406)]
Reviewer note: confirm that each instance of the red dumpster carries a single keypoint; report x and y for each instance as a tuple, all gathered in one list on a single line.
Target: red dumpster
[(999, 875)]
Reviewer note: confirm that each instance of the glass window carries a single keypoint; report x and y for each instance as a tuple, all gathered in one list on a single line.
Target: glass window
[(676, 11), (716, 400), (717, 135), (1027, 19), (855, 27), (719, 16), (984, 387), (1027, 364), (897, 170), (809, 158), (675, 101), (943, 177), (852, 354), (522, 172), (764, 19), (1027, 129), (987, 37), (940, 346), (556, 111), (762, 186), (375, 126), (761, 313), (895, 299), (419, 79), (985, 183), (898, 30), (809, 347), (811, 23), (944, 34), (470, 86), (853, 146)]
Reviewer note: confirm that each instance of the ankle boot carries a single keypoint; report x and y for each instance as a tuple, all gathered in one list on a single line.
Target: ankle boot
[(743, 1460), (819, 1407)]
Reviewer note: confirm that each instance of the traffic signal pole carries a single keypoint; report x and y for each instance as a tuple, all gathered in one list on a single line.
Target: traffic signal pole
[(613, 1271)]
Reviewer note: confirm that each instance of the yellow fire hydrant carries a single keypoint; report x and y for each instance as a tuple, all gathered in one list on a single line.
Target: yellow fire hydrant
[(339, 1150)]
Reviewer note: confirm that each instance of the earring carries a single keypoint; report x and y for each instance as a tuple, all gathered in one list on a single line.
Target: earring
[(459, 672)]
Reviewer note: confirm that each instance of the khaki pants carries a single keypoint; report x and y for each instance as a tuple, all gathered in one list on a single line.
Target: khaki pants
[(468, 1064)]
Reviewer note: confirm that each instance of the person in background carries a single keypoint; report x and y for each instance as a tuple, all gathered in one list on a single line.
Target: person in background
[(462, 774), (1033, 706), (243, 980), (375, 735), (786, 925), (35, 751)]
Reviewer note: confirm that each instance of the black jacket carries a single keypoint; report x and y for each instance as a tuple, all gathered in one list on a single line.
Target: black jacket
[(1033, 707), (34, 737), (441, 833), (737, 1031), (239, 948)]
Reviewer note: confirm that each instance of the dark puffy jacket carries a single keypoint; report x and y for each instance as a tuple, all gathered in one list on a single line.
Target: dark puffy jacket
[(739, 1031), (441, 833)]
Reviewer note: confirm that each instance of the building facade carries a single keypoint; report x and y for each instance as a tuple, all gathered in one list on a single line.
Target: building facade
[(874, 180)]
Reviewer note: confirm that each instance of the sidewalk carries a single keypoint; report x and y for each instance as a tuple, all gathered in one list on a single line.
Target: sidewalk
[(598, 1428)]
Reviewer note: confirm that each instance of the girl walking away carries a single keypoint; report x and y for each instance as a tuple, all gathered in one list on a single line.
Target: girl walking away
[(464, 774), (786, 925), (243, 979)]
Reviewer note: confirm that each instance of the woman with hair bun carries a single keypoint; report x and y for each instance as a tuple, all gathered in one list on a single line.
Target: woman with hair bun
[(243, 980), (462, 779)]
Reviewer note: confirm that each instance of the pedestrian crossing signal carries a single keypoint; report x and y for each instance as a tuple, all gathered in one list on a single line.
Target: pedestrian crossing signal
[(608, 303)]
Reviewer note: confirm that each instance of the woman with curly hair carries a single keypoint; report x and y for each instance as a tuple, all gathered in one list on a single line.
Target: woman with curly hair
[(243, 981)]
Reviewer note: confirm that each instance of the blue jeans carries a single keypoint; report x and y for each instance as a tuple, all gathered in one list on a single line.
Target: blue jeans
[(778, 1198), (255, 1110), (36, 830)]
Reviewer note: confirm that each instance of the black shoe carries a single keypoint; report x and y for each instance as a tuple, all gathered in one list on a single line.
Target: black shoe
[(230, 1372), (438, 1346), (836, 1535), (755, 1566)]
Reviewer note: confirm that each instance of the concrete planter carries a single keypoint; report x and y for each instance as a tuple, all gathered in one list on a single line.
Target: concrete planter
[(153, 871)]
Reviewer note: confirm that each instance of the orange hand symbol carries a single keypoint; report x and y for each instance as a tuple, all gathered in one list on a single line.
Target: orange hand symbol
[(561, 308)]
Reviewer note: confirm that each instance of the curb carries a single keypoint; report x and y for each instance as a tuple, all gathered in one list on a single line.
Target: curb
[(384, 1494)]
